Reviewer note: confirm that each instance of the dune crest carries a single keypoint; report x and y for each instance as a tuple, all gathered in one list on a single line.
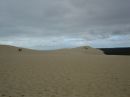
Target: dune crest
[(79, 50)]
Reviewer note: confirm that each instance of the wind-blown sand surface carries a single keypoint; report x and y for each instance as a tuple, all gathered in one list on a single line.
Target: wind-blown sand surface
[(76, 72)]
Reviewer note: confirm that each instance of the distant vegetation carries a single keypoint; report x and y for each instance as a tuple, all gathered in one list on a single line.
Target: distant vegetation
[(116, 51)]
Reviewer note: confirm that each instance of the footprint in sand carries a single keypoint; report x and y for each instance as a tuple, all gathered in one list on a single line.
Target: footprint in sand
[(22, 95), (3, 95)]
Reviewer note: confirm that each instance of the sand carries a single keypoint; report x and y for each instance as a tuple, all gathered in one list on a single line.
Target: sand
[(76, 72)]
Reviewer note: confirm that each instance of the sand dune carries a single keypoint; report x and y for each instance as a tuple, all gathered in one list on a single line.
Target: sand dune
[(76, 72)]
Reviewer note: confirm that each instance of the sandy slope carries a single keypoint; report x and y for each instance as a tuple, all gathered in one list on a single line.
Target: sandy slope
[(64, 73)]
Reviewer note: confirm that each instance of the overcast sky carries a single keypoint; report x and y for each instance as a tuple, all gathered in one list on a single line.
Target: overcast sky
[(55, 24)]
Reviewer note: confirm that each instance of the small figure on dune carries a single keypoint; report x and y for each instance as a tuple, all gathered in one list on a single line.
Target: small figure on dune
[(20, 49)]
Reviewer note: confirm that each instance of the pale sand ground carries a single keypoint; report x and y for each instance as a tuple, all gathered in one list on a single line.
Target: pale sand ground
[(61, 74)]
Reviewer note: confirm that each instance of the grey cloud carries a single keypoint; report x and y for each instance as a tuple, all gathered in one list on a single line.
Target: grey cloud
[(85, 19)]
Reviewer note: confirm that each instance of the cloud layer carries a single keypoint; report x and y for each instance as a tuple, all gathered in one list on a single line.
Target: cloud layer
[(52, 24)]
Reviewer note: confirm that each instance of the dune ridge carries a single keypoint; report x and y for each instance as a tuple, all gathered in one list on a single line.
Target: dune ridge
[(83, 50)]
